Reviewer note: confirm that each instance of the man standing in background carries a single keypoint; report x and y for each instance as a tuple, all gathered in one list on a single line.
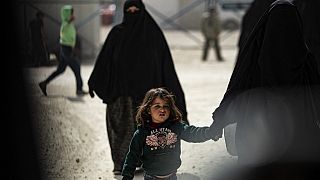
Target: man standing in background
[(210, 28)]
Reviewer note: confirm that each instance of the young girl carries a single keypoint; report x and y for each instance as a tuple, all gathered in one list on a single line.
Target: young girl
[(157, 140)]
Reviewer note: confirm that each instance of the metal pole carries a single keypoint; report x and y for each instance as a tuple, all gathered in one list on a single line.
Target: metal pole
[(162, 16), (119, 13), (183, 11)]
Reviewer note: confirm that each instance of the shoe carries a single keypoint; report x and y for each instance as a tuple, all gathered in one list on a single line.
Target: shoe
[(116, 172), (220, 59), (81, 92), (43, 87)]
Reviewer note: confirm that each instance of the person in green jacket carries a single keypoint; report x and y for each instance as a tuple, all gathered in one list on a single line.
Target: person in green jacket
[(157, 140), (210, 28), (67, 58)]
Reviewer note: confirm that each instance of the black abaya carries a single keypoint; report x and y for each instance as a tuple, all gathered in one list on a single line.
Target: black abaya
[(134, 58), (273, 96)]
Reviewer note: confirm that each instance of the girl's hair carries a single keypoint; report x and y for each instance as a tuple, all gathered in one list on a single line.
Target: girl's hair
[(143, 114)]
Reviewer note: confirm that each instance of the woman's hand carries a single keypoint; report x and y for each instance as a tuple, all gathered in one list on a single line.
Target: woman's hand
[(216, 131)]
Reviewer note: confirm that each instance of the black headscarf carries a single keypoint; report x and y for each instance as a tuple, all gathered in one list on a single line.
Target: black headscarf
[(309, 10), (274, 84), (135, 58), (251, 17)]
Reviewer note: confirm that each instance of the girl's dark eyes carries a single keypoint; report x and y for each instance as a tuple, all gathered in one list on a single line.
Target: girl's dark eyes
[(158, 106)]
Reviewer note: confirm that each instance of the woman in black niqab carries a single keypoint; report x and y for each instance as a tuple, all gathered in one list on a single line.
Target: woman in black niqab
[(134, 58), (273, 97)]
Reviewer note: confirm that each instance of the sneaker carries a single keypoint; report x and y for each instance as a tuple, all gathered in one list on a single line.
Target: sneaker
[(81, 92), (43, 87), (204, 59)]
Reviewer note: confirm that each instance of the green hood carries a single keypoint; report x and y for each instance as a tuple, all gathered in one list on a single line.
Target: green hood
[(67, 30), (66, 12)]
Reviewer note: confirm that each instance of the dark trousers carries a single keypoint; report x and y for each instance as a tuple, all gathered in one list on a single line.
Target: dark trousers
[(40, 55), (67, 59), (216, 46)]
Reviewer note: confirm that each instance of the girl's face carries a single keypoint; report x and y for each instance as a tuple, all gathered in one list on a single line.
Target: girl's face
[(159, 110)]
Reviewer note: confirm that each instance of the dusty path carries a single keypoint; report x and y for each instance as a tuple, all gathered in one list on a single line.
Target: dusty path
[(73, 142)]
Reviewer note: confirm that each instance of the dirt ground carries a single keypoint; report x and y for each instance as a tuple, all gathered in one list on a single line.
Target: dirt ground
[(71, 130)]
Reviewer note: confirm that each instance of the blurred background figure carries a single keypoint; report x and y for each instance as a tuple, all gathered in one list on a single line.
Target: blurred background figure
[(273, 94), (67, 55), (39, 52), (210, 28)]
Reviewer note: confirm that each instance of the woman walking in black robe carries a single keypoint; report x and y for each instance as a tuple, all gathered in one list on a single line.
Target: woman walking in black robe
[(273, 96), (134, 58)]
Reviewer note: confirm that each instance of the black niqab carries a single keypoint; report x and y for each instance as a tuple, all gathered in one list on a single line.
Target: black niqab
[(135, 58)]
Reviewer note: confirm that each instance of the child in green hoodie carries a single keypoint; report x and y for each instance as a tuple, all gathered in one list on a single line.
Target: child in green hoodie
[(157, 140), (67, 58)]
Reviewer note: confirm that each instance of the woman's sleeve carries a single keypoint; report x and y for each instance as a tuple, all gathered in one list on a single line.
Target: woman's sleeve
[(98, 80)]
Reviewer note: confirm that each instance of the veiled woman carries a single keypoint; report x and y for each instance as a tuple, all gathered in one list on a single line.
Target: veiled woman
[(273, 97), (134, 58)]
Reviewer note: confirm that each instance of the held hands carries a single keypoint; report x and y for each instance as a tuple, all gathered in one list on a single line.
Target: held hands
[(216, 127), (218, 135), (216, 131)]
